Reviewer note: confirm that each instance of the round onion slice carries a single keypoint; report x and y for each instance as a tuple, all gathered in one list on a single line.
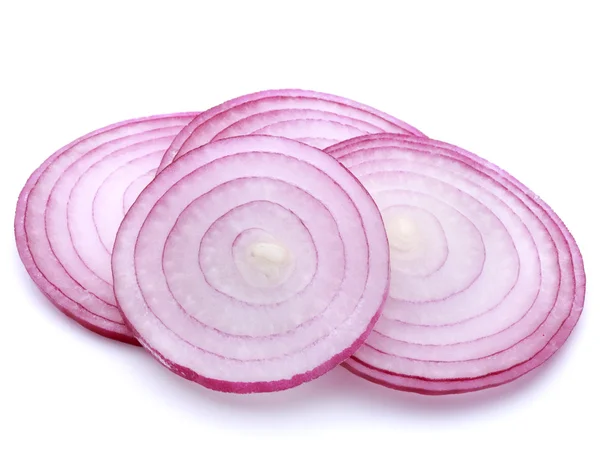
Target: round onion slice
[(313, 118), (70, 209), (487, 282), (254, 264)]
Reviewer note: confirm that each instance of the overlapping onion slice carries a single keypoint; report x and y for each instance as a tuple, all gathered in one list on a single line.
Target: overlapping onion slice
[(487, 282), (313, 118), (69, 211), (252, 264)]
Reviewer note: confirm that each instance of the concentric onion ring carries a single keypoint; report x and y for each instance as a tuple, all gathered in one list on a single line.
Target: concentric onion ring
[(313, 118), (254, 264), (502, 301), (70, 209)]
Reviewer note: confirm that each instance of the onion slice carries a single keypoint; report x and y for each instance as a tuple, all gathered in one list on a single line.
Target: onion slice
[(487, 282), (253, 265), (70, 209), (313, 118)]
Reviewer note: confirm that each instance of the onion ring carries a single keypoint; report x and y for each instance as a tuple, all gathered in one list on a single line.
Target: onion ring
[(313, 118), (69, 211), (500, 303), (254, 264)]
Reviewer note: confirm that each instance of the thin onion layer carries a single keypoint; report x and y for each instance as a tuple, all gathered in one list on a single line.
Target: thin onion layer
[(487, 282), (70, 209), (314, 118), (253, 264)]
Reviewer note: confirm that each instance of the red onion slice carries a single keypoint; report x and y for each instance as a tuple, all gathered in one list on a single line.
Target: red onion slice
[(314, 118), (501, 282), (70, 209), (254, 265)]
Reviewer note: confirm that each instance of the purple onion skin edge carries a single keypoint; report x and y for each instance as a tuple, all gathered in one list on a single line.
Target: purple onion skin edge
[(262, 386)]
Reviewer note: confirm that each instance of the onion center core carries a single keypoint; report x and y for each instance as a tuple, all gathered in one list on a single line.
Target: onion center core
[(403, 235), (262, 260)]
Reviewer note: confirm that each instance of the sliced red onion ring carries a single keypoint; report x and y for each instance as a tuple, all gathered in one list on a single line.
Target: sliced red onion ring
[(70, 209), (487, 282), (314, 118), (255, 264)]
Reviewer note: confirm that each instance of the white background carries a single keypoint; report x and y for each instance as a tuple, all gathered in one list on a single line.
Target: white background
[(515, 82)]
